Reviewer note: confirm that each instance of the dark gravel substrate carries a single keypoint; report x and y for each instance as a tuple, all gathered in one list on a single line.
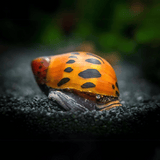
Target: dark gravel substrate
[(25, 113)]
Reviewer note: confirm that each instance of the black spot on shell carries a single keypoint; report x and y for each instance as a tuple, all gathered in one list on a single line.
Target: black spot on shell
[(113, 86), (40, 67), (117, 85), (90, 73), (72, 56), (91, 54), (93, 60), (117, 93), (63, 81), (68, 69), (38, 72), (88, 85), (71, 61), (75, 53)]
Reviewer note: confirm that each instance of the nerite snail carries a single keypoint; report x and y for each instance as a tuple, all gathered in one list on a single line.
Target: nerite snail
[(78, 81)]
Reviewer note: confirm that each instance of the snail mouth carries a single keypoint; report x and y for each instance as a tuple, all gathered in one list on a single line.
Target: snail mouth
[(109, 105)]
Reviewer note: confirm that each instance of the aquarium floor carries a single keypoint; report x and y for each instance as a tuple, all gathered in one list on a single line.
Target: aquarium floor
[(25, 113)]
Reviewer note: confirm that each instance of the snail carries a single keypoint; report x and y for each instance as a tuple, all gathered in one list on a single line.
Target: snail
[(78, 81)]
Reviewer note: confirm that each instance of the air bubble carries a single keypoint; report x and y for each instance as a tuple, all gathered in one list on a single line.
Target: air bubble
[(98, 96)]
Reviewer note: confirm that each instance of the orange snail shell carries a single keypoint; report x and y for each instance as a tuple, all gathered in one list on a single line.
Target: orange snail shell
[(85, 74)]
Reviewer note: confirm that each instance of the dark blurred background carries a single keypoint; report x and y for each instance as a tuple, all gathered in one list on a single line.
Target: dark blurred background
[(118, 30)]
